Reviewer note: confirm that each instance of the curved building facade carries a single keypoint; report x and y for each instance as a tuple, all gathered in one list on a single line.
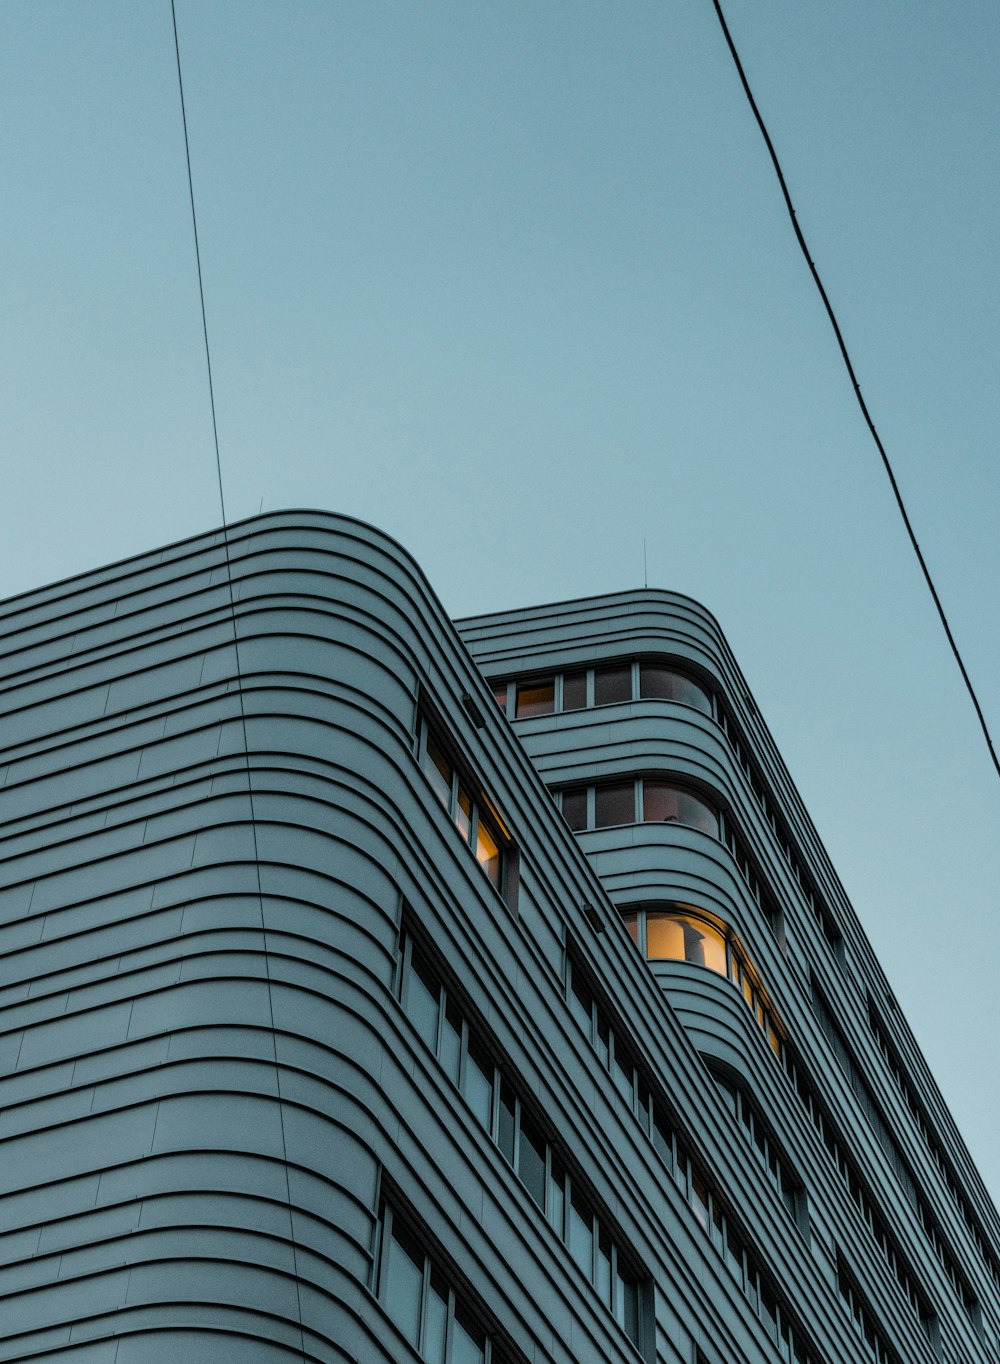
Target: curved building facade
[(383, 989)]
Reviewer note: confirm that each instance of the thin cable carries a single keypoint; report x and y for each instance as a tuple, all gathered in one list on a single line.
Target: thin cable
[(239, 674), (853, 377), (201, 287)]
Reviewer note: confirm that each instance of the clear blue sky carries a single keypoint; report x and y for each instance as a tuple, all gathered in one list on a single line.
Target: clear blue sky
[(513, 281)]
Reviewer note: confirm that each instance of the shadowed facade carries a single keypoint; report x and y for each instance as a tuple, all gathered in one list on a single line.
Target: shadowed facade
[(348, 1014)]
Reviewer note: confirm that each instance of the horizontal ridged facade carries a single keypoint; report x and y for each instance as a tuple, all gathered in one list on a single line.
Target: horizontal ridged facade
[(220, 847)]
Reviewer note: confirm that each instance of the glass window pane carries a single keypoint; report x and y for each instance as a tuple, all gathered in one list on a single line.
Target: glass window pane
[(664, 803), (627, 1306), (531, 1161), (630, 918), (450, 1050), (477, 1084), (734, 1254), (505, 1135), (435, 1320), (463, 813), (656, 681), (613, 684), (574, 691), (468, 1342), (703, 944), (574, 807), (623, 1075), (438, 769), (603, 1043), (422, 993), (500, 695), (603, 1280), (662, 1137), (614, 803), (699, 1197), (664, 937), (404, 1275), (582, 1004), (581, 1237), (555, 1209), (536, 698), (488, 853)]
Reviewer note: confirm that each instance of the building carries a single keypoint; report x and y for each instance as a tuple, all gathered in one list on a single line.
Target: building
[(381, 990)]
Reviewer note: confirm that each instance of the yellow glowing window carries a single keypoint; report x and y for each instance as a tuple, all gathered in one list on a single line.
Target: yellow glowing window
[(463, 813), (682, 937), (488, 853)]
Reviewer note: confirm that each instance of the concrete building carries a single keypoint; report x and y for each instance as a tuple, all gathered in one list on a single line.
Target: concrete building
[(380, 990)]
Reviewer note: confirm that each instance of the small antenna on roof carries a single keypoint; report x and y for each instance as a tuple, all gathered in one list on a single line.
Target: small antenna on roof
[(645, 571)]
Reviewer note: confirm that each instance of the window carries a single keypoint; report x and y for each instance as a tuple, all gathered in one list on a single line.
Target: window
[(764, 1144), (870, 1213), (574, 691), (682, 933), (864, 1319), (535, 698), (617, 802), (474, 824), (687, 1172), (613, 684), (614, 803), (661, 683), (418, 1297), (495, 1100), (665, 803), (605, 684)]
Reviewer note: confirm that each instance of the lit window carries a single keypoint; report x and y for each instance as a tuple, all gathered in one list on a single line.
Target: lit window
[(472, 822), (681, 937), (535, 698), (679, 934)]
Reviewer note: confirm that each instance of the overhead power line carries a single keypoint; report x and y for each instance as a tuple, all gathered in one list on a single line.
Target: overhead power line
[(201, 287), (854, 381), (239, 679)]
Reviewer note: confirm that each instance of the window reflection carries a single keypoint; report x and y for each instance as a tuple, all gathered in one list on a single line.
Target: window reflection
[(471, 822), (535, 698), (668, 804), (677, 933), (574, 691), (657, 682), (663, 802), (613, 684), (574, 807), (557, 1192), (423, 1304), (614, 803)]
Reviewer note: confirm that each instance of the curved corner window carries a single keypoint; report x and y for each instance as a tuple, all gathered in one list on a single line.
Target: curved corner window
[(680, 933), (660, 683), (664, 803), (673, 936), (618, 802), (603, 684)]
